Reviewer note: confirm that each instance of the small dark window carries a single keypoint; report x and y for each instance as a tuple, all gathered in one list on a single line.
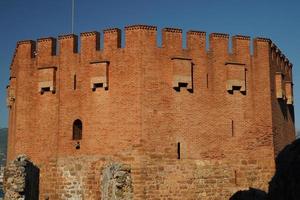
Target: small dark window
[(181, 84), (45, 89), (77, 130), (236, 87), (97, 85)]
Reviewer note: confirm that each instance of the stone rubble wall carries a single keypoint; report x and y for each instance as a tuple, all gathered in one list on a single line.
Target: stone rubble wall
[(21, 180)]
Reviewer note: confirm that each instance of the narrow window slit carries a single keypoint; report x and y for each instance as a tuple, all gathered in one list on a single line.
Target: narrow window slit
[(235, 177), (232, 128), (75, 82), (207, 80), (178, 150)]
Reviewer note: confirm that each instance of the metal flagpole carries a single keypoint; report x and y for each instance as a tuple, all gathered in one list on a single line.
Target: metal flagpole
[(73, 6)]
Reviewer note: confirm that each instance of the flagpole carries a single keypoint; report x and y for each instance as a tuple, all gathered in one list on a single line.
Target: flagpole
[(73, 6)]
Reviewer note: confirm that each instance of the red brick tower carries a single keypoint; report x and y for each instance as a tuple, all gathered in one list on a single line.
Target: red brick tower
[(192, 123)]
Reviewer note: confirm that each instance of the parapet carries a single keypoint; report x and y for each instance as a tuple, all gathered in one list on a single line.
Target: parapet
[(112, 39), (196, 41), (24, 49), (68, 43), (46, 47), (241, 46), (172, 38), (218, 43), (140, 36), (90, 43), (279, 57), (145, 36), (141, 27)]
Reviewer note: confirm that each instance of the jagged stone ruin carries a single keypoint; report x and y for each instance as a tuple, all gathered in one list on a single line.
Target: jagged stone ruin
[(285, 184), (21, 180), (116, 183)]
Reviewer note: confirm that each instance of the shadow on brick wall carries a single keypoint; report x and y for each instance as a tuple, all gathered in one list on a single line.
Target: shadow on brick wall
[(251, 194), (285, 184), (32, 182)]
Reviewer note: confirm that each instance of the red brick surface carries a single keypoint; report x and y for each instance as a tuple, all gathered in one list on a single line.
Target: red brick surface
[(228, 140)]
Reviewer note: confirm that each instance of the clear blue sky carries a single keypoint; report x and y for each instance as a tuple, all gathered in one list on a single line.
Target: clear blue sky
[(32, 19)]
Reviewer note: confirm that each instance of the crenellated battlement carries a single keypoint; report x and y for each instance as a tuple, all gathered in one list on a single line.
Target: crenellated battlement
[(68, 43), (261, 39), (242, 37), (29, 43), (141, 27), (221, 35), (91, 33), (46, 39), (25, 42), (143, 38), (67, 36), (46, 47), (283, 63), (193, 32), (172, 30), (111, 30), (171, 39)]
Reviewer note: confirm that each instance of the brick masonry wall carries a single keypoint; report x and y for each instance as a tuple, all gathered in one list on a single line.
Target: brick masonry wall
[(225, 137), (155, 177)]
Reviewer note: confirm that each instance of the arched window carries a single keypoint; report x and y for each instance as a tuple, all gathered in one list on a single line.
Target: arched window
[(77, 130)]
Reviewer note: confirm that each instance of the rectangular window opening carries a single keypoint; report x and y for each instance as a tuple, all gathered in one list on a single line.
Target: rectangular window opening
[(182, 84), (46, 79), (97, 85), (236, 88), (45, 89)]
